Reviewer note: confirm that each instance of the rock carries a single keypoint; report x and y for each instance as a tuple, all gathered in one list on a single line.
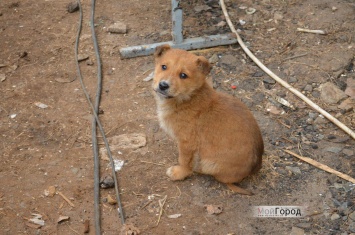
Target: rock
[(320, 120), (330, 93), (269, 80), (334, 216), (304, 225), (278, 15), (259, 74), (107, 182), (292, 80), (228, 60), (350, 88), (348, 152), (200, 8), (117, 27), (41, 105), (294, 169), (73, 7), (2, 77), (352, 216), (297, 231), (352, 227), (347, 105), (89, 62), (213, 59), (333, 149), (308, 87), (273, 109), (82, 57), (63, 218), (316, 94)]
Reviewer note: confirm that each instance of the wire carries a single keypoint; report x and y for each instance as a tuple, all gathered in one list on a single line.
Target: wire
[(96, 121)]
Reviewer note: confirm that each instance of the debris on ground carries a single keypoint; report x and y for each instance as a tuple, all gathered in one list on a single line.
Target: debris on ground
[(117, 27), (214, 209), (107, 182), (62, 218)]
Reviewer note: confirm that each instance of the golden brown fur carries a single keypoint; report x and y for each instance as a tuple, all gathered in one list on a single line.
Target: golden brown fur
[(216, 134)]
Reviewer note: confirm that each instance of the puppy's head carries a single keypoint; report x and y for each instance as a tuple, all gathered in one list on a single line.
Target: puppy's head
[(178, 73)]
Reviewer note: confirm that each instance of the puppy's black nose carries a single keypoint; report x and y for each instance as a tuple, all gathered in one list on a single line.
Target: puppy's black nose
[(163, 85)]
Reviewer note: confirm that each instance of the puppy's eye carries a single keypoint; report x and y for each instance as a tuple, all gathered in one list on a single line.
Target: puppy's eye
[(163, 67), (183, 75)]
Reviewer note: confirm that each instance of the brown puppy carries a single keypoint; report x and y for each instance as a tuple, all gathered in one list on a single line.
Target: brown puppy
[(216, 134)]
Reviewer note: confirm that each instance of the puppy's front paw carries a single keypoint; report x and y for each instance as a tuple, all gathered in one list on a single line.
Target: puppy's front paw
[(178, 172)]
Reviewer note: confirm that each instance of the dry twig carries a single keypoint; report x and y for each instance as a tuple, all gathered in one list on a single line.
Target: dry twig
[(66, 199), (322, 166), (279, 80)]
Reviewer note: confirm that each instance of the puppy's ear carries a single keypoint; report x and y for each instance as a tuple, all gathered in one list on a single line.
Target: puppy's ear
[(203, 65), (160, 50)]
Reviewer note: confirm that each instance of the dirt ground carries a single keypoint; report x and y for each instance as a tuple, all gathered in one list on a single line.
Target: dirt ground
[(50, 146)]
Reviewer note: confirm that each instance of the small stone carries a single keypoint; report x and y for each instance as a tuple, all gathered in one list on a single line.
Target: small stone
[(304, 225), (320, 120), (41, 105), (221, 24), (316, 94), (350, 87), (338, 186), (82, 57), (308, 87), (89, 62), (352, 227), (334, 216), (348, 152), (294, 169), (259, 74), (73, 7), (2, 77), (331, 94), (200, 8), (63, 218), (292, 80), (107, 182), (333, 149), (74, 170), (352, 216), (213, 59), (228, 60), (347, 105), (297, 231), (334, 9), (269, 80), (117, 27)]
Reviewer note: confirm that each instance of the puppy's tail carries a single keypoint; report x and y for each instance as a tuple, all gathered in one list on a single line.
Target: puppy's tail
[(239, 190)]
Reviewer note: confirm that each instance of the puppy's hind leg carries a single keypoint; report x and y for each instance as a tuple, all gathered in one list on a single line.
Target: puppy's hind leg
[(239, 190)]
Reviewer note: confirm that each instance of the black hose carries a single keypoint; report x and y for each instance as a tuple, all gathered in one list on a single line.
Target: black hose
[(97, 122)]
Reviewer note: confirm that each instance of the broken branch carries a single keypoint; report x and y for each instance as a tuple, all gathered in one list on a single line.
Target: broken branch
[(322, 166)]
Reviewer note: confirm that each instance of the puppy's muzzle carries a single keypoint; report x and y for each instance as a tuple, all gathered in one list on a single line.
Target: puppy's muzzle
[(163, 89), (163, 85)]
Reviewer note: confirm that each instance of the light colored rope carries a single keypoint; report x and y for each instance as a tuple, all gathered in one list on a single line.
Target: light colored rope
[(282, 82)]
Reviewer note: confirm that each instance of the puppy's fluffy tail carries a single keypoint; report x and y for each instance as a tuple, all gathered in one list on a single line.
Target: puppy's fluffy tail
[(239, 190)]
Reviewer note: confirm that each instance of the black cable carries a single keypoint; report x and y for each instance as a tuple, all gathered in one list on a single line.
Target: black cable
[(97, 122)]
